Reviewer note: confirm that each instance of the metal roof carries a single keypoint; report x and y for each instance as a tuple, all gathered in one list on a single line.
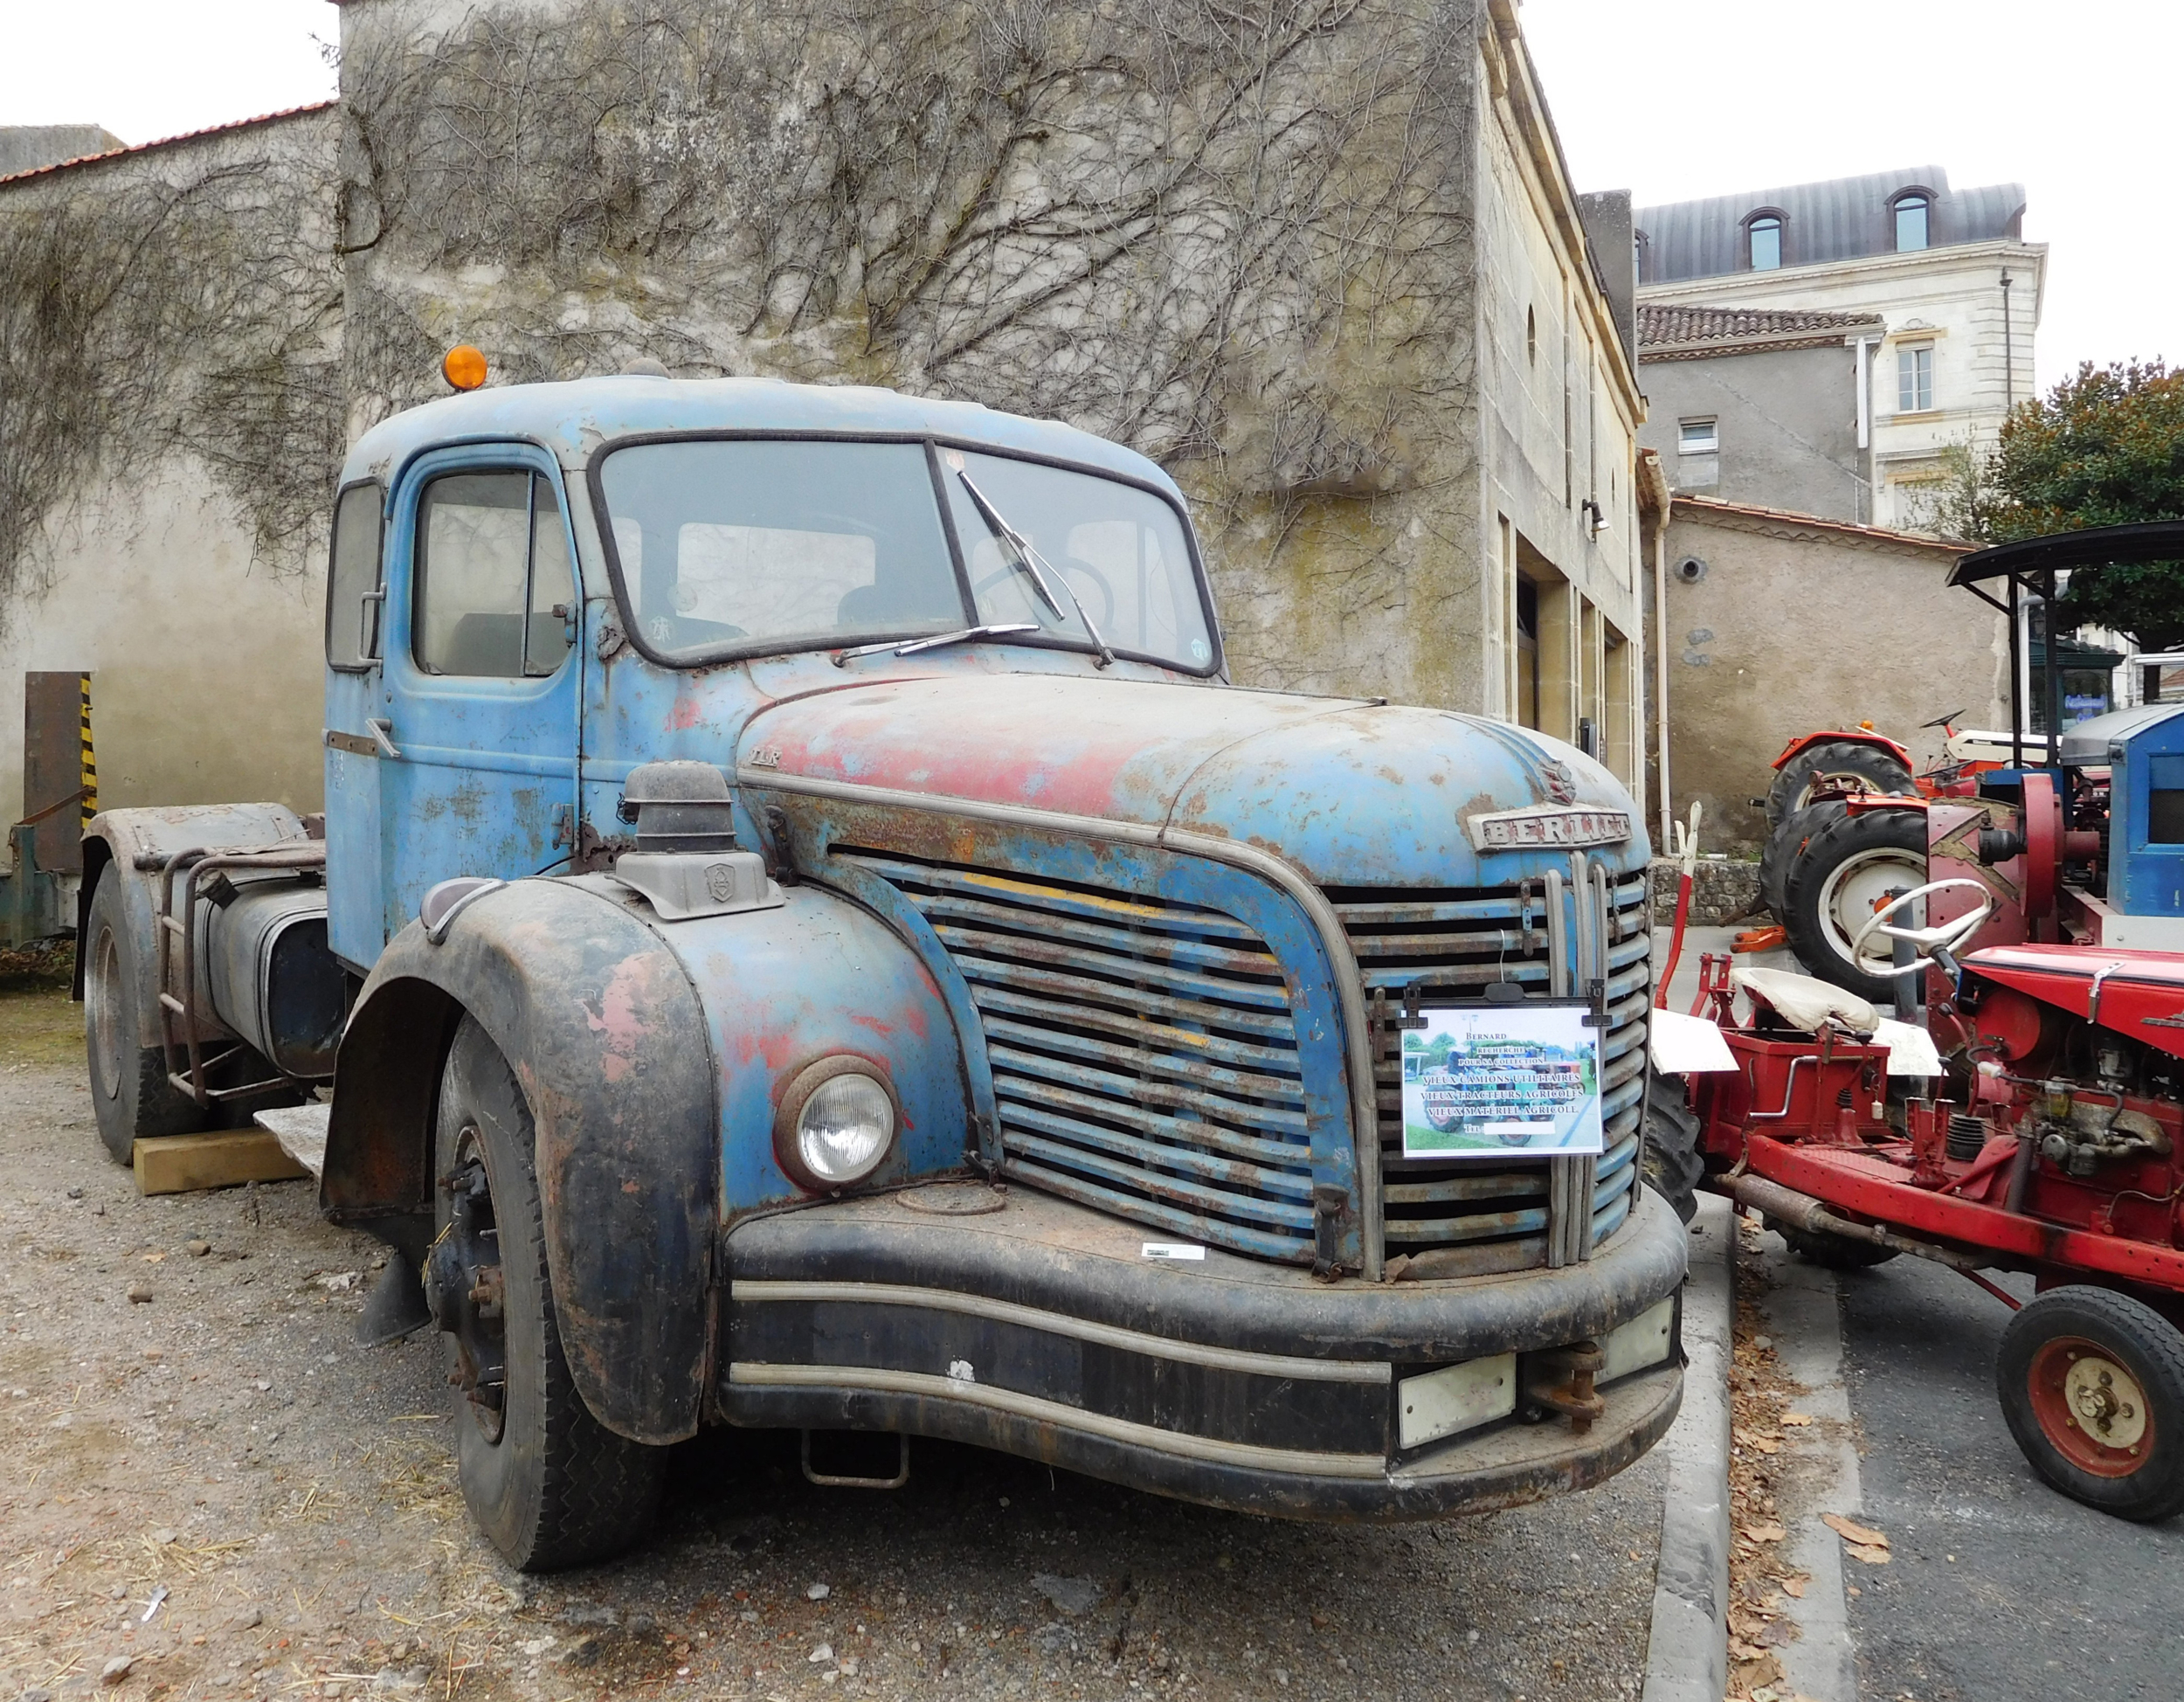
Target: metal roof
[(1842, 218), (2096, 546), (572, 419)]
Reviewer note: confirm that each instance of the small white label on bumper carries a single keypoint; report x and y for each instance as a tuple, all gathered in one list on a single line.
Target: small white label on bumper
[(1172, 1249), (1457, 1397), (1643, 1342)]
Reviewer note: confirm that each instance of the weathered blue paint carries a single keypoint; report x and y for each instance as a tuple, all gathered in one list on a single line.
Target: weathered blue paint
[(816, 978)]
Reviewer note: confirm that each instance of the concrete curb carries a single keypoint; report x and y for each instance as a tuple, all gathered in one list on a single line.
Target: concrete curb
[(1687, 1655)]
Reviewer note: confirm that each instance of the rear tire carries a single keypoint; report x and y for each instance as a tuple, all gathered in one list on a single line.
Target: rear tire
[(1847, 864), (548, 1485), (2093, 1385), (1670, 1161), (1849, 762), (131, 1094), (1784, 845)]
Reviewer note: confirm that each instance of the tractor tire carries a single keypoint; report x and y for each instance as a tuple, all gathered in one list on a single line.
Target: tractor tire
[(1845, 762), (1669, 1162), (1784, 845), (548, 1485), (131, 1096), (2092, 1386), (1832, 1252), (1833, 885)]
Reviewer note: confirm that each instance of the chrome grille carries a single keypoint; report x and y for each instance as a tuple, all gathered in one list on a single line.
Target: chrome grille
[(1144, 1057), (1447, 947)]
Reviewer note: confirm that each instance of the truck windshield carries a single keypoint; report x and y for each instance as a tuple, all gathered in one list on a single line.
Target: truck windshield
[(743, 547)]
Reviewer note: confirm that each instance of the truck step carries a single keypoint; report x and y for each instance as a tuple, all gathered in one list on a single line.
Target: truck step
[(301, 1131)]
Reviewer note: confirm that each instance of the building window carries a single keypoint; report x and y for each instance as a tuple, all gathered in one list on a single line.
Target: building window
[(1698, 437), (1531, 337), (1765, 235), (1910, 224), (1914, 377)]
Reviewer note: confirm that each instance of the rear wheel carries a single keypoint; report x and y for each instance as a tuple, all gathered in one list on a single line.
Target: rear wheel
[(1670, 1161), (131, 1094), (548, 1485), (1850, 764), (2093, 1385), (1844, 874), (1784, 845)]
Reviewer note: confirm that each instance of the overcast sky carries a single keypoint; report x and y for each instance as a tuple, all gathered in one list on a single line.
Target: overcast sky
[(1670, 98)]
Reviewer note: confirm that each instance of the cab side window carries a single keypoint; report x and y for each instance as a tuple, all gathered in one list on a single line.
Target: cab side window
[(352, 579), (495, 593)]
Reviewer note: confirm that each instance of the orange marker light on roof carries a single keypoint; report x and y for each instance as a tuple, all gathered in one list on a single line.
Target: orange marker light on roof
[(463, 367)]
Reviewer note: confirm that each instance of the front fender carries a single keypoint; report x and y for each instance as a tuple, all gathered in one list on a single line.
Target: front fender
[(605, 1033), (652, 1054)]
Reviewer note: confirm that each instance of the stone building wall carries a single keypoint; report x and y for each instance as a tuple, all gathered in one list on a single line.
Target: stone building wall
[(169, 418), (1792, 624)]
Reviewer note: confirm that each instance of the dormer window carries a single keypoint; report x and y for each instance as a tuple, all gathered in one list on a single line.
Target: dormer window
[(1913, 230), (1764, 233)]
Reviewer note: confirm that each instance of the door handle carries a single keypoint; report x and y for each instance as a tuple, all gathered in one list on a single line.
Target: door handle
[(382, 731)]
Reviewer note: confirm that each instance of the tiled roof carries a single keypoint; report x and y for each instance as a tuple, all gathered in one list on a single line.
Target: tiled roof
[(1701, 324), (169, 142), (1752, 511)]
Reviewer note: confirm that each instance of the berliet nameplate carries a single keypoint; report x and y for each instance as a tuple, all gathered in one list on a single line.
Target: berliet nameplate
[(1548, 825)]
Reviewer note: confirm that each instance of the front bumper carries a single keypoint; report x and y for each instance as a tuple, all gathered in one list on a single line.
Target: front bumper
[(1041, 1329)]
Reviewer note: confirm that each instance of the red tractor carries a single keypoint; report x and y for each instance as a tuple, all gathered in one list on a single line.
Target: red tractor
[(2023, 1110)]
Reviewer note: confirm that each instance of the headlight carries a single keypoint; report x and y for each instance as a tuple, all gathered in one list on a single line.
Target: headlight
[(836, 1124)]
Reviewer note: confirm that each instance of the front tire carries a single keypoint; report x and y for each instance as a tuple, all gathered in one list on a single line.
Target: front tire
[(2092, 1386), (1670, 1162), (131, 1096), (548, 1485), (1833, 1252)]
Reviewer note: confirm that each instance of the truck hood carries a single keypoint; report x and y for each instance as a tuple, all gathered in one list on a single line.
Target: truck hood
[(1352, 791)]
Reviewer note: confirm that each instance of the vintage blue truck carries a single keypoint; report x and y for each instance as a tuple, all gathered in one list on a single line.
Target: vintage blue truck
[(803, 935)]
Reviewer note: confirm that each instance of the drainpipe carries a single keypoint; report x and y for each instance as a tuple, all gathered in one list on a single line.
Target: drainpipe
[(1661, 663), (2010, 358), (1864, 385)]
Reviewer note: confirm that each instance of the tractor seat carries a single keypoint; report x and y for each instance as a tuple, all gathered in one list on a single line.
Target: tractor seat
[(1805, 1001)]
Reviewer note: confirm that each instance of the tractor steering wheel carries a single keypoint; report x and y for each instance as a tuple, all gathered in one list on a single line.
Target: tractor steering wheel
[(1924, 942)]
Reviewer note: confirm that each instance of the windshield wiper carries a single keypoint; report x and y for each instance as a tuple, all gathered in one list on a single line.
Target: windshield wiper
[(1035, 566), (910, 647)]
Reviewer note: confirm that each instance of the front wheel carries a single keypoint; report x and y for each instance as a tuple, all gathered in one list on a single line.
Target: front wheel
[(1670, 1161), (548, 1485), (2092, 1386), (1833, 1252)]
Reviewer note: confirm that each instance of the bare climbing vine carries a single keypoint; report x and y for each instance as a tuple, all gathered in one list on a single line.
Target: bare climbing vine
[(164, 307), (1236, 234)]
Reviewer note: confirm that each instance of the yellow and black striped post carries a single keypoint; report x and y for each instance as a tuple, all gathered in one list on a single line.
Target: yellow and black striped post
[(90, 763)]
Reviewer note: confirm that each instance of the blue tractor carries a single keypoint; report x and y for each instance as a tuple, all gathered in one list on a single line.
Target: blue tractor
[(803, 935)]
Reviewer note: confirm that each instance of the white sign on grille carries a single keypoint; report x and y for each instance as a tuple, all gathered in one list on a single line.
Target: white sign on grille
[(1548, 825)]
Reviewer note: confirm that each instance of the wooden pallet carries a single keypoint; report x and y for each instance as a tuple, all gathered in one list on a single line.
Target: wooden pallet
[(226, 1159)]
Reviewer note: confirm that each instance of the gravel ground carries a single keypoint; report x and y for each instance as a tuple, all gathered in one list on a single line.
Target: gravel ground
[(217, 1487)]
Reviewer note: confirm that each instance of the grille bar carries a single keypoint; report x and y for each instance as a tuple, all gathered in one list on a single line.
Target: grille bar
[(1144, 1055)]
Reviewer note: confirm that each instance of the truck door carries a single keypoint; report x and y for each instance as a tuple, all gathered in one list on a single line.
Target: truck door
[(481, 694)]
